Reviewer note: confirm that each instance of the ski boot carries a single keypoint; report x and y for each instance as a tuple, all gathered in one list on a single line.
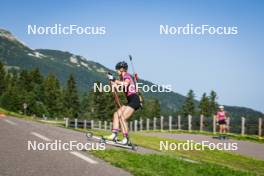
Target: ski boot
[(225, 137), (125, 141), (221, 137), (112, 137)]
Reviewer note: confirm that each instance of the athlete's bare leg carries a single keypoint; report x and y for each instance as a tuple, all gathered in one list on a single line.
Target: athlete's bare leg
[(116, 117), (221, 129), (224, 128), (125, 112), (120, 117)]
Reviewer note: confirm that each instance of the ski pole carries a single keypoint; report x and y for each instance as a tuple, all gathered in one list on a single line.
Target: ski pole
[(133, 69), (136, 81), (119, 105)]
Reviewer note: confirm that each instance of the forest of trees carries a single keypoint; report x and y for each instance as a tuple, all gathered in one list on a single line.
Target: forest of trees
[(31, 93), (207, 105)]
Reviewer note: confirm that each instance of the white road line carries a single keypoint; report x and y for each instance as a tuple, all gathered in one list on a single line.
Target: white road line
[(40, 136), (188, 160), (10, 122), (85, 158)]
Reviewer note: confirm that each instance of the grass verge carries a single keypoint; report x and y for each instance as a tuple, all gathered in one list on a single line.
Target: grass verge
[(32, 118), (9, 113), (157, 165), (226, 159)]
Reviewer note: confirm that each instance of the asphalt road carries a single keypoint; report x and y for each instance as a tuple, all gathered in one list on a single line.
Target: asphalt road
[(17, 160)]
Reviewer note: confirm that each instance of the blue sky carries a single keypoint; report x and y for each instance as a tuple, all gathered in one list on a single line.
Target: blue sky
[(230, 65)]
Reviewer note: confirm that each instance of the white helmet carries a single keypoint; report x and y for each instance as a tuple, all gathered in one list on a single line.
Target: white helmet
[(221, 107)]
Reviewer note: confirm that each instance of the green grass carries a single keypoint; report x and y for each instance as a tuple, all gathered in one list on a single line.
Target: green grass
[(32, 118), (231, 160), (227, 159), (60, 123), (9, 113), (159, 165)]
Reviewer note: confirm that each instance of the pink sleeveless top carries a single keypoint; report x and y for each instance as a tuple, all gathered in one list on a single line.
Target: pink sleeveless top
[(221, 115), (131, 88)]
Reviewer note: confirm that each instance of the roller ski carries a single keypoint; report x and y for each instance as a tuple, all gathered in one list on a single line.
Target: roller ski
[(125, 143), (221, 137)]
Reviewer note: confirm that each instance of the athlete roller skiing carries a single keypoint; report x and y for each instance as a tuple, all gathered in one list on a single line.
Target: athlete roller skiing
[(222, 117), (124, 112)]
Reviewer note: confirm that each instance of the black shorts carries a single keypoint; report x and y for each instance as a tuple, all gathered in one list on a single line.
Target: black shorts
[(133, 101), (222, 122)]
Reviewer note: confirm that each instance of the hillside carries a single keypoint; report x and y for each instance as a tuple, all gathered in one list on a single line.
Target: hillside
[(16, 55)]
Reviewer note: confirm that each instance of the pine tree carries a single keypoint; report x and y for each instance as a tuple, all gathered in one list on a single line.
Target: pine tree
[(52, 96), (204, 106), (212, 103), (156, 108), (38, 87), (87, 105), (36, 76), (10, 99), (97, 102), (25, 81), (8, 78), (188, 107), (151, 109), (2, 79), (13, 80), (71, 98), (29, 89), (103, 105)]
